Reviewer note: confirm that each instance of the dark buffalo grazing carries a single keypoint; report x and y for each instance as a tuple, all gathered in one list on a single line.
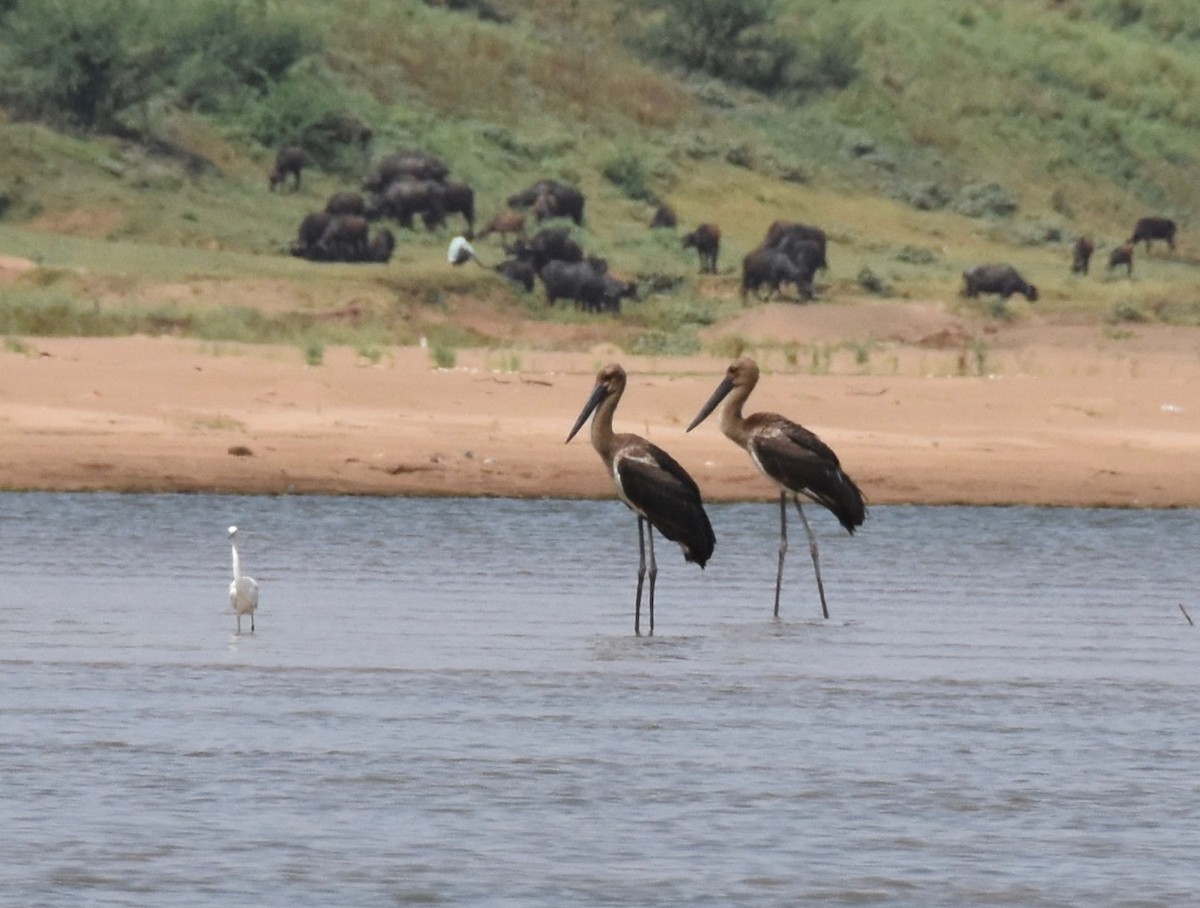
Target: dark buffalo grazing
[(772, 268), (505, 223), (345, 239), (807, 256), (1122, 255), (781, 234), (459, 198), (548, 245), (406, 198), (1147, 229), (346, 203), (616, 290), (312, 228), (706, 240), (544, 208), (413, 165), (291, 159), (518, 272), (325, 237), (381, 246), (664, 216), (1003, 280), (551, 198), (1081, 255), (580, 281)]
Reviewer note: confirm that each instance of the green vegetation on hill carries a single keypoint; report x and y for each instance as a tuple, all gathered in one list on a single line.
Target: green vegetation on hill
[(923, 134)]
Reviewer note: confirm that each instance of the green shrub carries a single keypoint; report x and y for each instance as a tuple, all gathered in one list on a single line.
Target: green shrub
[(224, 52), (314, 352), (444, 356), (626, 171), (735, 40), (76, 62), (85, 63)]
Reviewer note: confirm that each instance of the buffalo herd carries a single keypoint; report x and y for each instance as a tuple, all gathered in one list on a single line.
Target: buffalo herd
[(406, 185)]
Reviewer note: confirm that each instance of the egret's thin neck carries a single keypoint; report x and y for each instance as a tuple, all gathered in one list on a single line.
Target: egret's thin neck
[(237, 567)]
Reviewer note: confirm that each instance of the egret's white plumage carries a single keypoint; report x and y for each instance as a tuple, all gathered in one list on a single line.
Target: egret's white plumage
[(461, 252), (243, 591)]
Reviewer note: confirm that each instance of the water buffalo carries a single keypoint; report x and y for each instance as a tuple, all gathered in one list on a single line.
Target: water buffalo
[(459, 198), (664, 216), (616, 290), (325, 237), (345, 239), (405, 198), (706, 240), (415, 165), (785, 233), (346, 203), (312, 228), (1147, 229), (381, 246), (505, 223), (552, 199), (518, 272), (550, 244), (1081, 255), (291, 159), (1003, 280), (1122, 255), (579, 281), (772, 268)]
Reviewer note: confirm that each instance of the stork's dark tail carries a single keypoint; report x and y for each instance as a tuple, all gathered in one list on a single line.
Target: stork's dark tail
[(844, 500)]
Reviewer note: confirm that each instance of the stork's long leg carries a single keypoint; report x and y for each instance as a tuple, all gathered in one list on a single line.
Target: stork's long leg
[(653, 573), (812, 548), (783, 547), (637, 609)]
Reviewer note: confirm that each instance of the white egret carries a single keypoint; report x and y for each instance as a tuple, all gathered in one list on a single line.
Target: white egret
[(461, 252), (243, 592)]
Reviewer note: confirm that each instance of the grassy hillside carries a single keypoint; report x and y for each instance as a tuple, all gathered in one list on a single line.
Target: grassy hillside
[(964, 132)]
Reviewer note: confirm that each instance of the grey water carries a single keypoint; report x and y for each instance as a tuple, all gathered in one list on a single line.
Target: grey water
[(444, 703)]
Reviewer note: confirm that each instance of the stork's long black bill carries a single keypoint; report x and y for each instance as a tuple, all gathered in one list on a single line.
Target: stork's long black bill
[(598, 394), (718, 395)]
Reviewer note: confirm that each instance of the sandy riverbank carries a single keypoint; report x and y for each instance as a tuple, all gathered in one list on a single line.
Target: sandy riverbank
[(1063, 415)]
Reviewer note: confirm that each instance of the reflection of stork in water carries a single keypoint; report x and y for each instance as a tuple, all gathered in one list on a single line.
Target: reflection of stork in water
[(791, 456), (650, 482), (243, 592)]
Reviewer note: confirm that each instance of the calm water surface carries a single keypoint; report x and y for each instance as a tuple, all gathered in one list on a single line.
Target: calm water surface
[(445, 704)]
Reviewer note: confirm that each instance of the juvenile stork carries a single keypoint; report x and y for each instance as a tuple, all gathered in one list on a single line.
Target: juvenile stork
[(650, 482), (243, 591), (789, 455)]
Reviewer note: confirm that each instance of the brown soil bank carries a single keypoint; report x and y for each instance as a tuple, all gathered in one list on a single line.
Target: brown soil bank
[(1054, 415)]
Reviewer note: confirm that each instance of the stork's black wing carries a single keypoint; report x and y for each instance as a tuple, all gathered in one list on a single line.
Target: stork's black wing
[(657, 487)]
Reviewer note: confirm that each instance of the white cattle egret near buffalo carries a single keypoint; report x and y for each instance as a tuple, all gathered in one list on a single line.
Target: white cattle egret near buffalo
[(243, 592), (461, 252)]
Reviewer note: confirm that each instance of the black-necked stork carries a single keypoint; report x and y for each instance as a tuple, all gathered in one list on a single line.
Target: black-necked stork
[(789, 455), (650, 482)]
